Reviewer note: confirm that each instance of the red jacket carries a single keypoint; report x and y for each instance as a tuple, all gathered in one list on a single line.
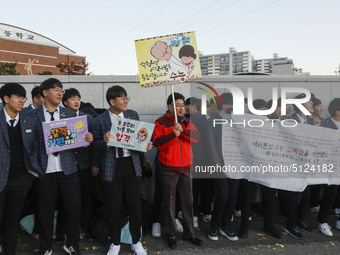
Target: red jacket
[(174, 152)]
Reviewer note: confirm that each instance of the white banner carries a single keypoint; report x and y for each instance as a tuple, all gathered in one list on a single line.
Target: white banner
[(283, 155)]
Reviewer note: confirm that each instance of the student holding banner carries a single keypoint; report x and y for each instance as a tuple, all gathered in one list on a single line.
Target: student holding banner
[(121, 171), (71, 100), (17, 146), (173, 139), (58, 173)]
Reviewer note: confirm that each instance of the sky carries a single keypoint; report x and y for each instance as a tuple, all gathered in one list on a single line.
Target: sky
[(104, 31)]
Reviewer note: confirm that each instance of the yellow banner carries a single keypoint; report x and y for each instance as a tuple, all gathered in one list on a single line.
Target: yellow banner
[(168, 58)]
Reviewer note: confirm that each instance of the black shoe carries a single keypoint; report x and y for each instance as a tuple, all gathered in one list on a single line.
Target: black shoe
[(213, 236), (71, 250), (243, 233), (304, 227), (47, 252), (272, 231), (172, 243), (194, 240), (86, 235), (294, 232)]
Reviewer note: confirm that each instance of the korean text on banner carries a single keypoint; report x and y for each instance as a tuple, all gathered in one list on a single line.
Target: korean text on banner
[(130, 134), (65, 134), (167, 59), (287, 158)]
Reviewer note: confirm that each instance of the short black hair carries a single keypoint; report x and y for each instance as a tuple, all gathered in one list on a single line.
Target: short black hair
[(218, 104), (36, 92), (187, 51), (227, 98), (316, 101), (177, 96), (334, 106), (10, 89), (49, 84), (72, 92), (270, 103), (303, 95), (259, 103), (115, 91)]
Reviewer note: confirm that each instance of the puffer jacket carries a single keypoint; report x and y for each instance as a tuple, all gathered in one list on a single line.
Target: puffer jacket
[(175, 153)]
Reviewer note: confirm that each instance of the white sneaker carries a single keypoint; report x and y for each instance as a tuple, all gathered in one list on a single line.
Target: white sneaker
[(325, 229), (237, 213), (207, 218), (195, 222), (114, 249), (337, 226), (179, 226), (180, 215), (315, 209), (156, 229), (138, 249)]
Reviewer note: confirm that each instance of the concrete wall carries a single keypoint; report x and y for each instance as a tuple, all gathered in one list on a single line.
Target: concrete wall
[(150, 103)]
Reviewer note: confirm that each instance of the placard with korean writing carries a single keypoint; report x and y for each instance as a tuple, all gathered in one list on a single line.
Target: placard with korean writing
[(65, 134), (131, 134), (168, 58)]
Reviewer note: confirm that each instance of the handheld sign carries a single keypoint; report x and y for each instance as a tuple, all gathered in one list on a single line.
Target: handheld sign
[(65, 134), (130, 134), (168, 59)]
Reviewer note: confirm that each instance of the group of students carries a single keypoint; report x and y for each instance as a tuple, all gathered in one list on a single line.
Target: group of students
[(66, 177), (231, 197)]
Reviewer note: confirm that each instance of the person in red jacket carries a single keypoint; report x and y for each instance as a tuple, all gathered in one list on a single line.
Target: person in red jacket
[(175, 162)]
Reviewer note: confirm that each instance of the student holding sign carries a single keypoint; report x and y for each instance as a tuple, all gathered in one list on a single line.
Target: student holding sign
[(17, 145), (121, 171), (58, 172)]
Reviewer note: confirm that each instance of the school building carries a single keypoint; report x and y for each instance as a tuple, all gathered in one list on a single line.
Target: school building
[(35, 53)]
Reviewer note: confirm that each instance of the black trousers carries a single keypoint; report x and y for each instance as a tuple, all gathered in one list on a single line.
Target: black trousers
[(124, 189), (50, 187), (247, 195), (86, 184), (296, 206), (315, 191), (157, 198), (268, 206), (327, 200), (181, 182), (225, 201), (12, 200)]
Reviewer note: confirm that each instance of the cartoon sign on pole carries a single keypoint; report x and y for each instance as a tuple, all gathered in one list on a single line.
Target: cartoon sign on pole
[(65, 134), (130, 134), (168, 59)]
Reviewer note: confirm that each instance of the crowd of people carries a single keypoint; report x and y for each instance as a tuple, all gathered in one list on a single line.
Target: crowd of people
[(67, 180)]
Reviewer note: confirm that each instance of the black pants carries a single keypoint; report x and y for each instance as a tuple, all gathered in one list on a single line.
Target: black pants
[(268, 205), (247, 195), (225, 201), (124, 189), (327, 200), (315, 191), (296, 206), (181, 182), (50, 187), (12, 200), (86, 183), (157, 198)]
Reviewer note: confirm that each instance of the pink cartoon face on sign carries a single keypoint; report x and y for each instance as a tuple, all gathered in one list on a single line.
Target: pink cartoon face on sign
[(142, 135)]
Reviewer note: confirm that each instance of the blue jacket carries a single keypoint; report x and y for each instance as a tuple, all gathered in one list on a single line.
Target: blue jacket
[(104, 156), (328, 123), (29, 146), (67, 158)]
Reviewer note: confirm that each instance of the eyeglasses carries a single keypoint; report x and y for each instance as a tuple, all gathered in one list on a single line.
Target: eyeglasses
[(56, 90), (125, 99), (19, 98)]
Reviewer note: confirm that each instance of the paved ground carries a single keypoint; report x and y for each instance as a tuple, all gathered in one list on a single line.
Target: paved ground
[(256, 243)]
